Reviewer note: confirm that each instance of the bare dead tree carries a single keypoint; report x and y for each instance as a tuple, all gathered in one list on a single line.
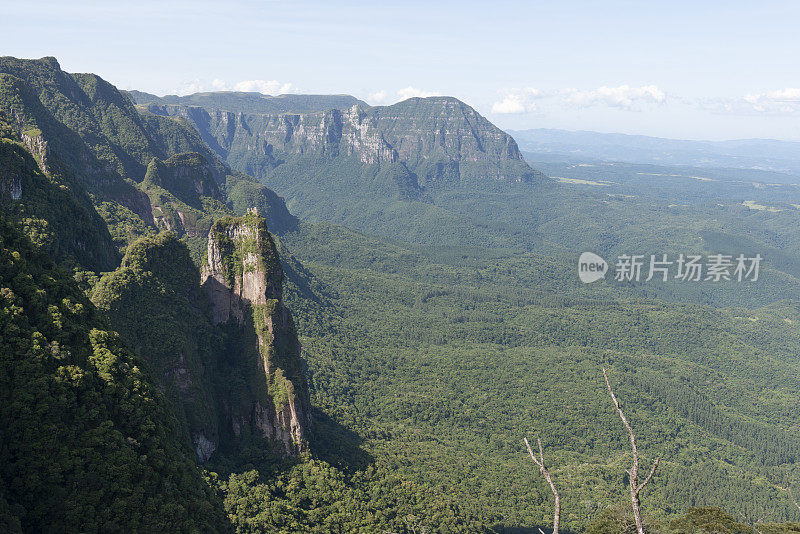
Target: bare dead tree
[(546, 474), (413, 523), (789, 489), (633, 472), (766, 513)]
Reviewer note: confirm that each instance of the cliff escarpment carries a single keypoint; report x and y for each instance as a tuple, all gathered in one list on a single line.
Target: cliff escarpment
[(243, 280), (438, 139), (143, 172), (399, 171), (221, 343)]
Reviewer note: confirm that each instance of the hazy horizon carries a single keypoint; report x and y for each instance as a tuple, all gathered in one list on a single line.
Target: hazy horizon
[(508, 130), (682, 71)]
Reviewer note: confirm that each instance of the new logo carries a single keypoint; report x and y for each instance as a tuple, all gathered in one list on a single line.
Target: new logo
[(591, 267)]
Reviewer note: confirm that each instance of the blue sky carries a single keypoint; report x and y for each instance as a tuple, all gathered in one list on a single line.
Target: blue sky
[(695, 70)]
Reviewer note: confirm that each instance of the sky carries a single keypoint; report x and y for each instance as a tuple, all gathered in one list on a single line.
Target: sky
[(690, 70)]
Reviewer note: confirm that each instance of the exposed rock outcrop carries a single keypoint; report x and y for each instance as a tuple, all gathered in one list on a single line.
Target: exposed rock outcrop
[(243, 278), (176, 188), (10, 186), (439, 139)]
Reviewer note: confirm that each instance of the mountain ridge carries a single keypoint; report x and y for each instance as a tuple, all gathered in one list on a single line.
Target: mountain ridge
[(253, 102), (385, 169), (398, 132), (91, 133)]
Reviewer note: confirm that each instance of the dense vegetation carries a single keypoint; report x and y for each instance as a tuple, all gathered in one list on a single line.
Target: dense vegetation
[(88, 443), (90, 137), (444, 378), (154, 302), (53, 207), (432, 350), (204, 373)]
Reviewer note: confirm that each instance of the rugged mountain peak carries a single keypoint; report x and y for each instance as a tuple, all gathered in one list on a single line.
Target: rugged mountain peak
[(243, 279), (243, 268), (439, 141), (421, 128)]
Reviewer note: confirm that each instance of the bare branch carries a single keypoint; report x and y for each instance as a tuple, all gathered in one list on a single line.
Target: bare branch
[(541, 452), (652, 472), (788, 489), (633, 472), (546, 474), (533, 456)]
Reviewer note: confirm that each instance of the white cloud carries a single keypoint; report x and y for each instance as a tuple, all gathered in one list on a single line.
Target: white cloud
[(187, 88), (267, 87), (516, 101), (778, 101), (377, 98), (623, 97), (412, 92), (271, 87), (529, 99)]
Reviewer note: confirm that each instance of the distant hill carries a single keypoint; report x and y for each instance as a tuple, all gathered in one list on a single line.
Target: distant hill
[(382, 169), (764, 154), (435, 139), (241, 102)]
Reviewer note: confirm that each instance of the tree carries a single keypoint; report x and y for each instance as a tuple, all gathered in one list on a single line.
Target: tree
[(633, 472), (546, 475)]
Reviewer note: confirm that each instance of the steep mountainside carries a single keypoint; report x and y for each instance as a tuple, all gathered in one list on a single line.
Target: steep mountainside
[(243, 279), (436, 139), (393, 170), (55, 212), (88, 134), (226, 353), (88, 441), (94, 437)]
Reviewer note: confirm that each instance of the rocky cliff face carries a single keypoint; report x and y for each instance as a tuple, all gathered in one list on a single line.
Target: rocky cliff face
[(243, 279), (327, 133), (189, 176), (55, 213), (422, 127), (143, 171), (437, 138), (176, 188), (225, 353)]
